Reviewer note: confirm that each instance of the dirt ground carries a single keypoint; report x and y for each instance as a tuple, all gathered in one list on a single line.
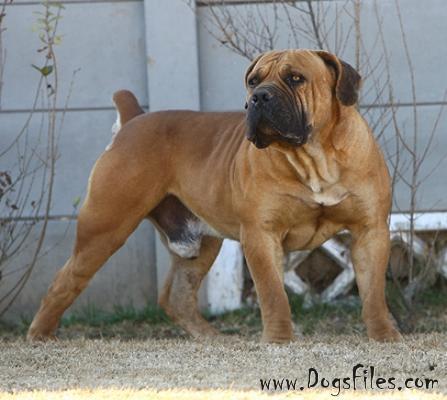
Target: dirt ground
[(225, 368)]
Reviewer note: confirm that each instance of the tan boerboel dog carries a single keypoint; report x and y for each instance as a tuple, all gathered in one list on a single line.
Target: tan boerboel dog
[(309, 169)]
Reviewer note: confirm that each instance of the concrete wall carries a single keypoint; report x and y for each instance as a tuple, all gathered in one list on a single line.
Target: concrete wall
[(105, 42), (164, 53)]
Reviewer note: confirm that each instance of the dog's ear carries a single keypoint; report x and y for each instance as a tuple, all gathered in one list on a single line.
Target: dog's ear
[(251, 66), (348, 80)]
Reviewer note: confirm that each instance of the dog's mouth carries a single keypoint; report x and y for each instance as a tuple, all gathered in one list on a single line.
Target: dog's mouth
[(259, 141), (276, 120), (262, 133)]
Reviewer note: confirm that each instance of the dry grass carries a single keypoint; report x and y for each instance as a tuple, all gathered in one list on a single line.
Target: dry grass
[(228, 367), (182, 394), (142, 355)]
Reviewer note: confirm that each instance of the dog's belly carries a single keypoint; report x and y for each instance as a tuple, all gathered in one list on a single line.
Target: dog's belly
[(189, 243), (184, 230)]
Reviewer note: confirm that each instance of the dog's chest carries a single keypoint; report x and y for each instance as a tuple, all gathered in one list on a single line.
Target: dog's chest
[(318, 177), (309, 224), (329, 196), (310, 218)]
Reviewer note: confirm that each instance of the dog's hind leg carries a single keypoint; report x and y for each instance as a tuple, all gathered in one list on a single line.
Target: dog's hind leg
[(115, 205), (179, 295)]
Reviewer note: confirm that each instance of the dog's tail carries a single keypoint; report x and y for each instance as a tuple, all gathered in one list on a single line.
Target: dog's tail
[(127, 107)]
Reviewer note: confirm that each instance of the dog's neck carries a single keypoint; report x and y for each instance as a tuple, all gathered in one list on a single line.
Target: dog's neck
[(315, 166), (318, 167)]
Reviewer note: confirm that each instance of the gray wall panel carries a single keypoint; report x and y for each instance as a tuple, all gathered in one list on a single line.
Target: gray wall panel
[(222, 70), (104, 40), (128, 278), (425, 29), (21, 3), (431, 193), (171, 42), (83, 138)]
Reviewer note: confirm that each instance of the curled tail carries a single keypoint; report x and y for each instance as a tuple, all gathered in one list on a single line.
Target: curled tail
[(127, 108)]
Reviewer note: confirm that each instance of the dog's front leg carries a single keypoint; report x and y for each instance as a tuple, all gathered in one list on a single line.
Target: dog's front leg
[(264, 255), (370, 254)]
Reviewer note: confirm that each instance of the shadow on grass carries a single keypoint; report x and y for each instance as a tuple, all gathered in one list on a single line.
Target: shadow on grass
[(127, 323)]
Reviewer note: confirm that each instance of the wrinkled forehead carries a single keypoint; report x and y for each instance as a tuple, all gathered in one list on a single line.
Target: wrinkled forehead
[(304, 62)]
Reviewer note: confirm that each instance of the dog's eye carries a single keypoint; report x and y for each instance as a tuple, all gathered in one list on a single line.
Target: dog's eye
[(252, 82), (296, 79)]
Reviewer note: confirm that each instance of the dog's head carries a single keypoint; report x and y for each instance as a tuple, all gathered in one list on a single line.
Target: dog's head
[(293, 92)]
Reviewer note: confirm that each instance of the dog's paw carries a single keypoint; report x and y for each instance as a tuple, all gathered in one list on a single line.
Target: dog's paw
[(278, 337), (387, 334), (278, 340), (34, 336)]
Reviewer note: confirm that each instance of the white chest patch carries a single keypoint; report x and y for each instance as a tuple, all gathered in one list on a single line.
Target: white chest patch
[(331, 196)]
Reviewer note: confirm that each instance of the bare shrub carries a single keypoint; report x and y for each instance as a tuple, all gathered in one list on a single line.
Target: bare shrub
[(29, 159)]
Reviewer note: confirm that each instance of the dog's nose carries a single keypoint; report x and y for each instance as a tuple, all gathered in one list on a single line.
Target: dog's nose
[(261, 96)]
